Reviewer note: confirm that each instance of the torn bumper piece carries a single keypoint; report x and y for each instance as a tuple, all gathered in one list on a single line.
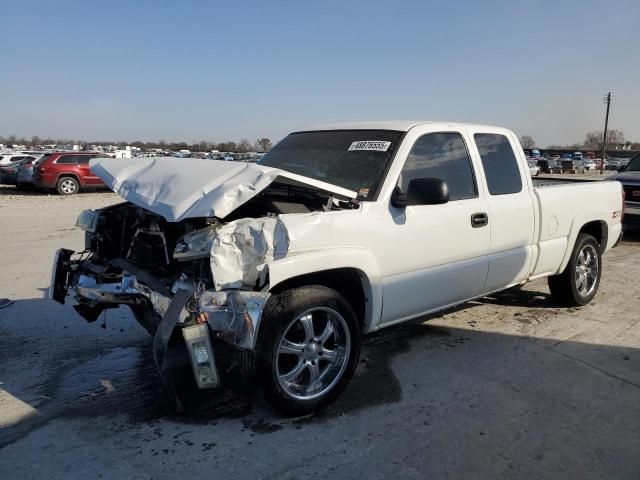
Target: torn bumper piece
[(161, 343), (233, 316)]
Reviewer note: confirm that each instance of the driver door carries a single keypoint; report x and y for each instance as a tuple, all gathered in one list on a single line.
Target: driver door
[(441, 249)]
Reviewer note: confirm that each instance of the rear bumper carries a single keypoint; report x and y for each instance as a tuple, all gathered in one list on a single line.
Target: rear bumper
[(24, 178), (45, 180)]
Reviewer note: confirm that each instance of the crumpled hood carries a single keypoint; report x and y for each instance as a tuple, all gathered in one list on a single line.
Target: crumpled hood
[(179, 188)]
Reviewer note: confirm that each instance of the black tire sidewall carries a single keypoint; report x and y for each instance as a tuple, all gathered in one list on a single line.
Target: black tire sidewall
[(582, 240), (279, 312)]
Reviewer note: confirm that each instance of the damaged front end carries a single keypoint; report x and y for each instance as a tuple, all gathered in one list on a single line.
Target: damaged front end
[(203, 278), (189, 251)]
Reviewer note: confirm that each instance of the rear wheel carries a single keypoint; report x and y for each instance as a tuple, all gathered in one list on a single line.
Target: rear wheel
[(579, 282), (67, 186), (310, 344)]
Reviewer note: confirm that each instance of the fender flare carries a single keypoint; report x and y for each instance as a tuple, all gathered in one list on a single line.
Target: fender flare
[(577, 224), (314, 261)]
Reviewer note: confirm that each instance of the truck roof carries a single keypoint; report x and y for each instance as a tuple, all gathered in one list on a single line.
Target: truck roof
[(398, 125)]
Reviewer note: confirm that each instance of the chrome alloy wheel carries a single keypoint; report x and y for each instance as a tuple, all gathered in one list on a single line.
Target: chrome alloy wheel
[(586, 270), (68, 186), (309, 364)]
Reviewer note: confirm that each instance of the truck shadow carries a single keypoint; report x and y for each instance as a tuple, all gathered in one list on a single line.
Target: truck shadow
[(120, 378), (519, 297)]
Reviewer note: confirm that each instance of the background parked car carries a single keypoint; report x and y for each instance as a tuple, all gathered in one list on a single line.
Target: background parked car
[(548, 166), (66, 172), (534, 169), (25, 171), (7, 159), (9, 164), (568, 166)]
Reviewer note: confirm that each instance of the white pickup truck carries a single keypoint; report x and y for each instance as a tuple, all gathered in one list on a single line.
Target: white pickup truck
[(281, 266)]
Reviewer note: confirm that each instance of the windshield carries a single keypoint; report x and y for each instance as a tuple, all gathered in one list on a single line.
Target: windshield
[(353, 159), (634, 164)]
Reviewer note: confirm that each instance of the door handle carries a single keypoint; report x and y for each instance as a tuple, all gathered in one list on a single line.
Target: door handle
[(479, 220)]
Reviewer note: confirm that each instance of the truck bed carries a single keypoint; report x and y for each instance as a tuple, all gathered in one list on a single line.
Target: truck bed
[(565, 203)]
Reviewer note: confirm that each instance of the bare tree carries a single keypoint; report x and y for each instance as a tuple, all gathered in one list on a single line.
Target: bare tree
[(263, 144), (226, 147), (203, 146), (244, 145), (527, 141), (593, 140)]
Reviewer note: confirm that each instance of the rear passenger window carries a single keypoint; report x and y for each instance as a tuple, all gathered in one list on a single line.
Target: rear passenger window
[(445, 156), (499, 163), (83, 159), (66, 159)]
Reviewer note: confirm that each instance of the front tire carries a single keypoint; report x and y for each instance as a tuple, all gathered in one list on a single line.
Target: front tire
[(579, 282), (309, 348), (67, 186)]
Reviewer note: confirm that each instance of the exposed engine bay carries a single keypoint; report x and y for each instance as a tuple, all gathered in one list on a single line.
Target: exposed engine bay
[(126, 236)]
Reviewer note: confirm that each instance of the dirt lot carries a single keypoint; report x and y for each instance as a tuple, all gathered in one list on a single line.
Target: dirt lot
[(506, 387)]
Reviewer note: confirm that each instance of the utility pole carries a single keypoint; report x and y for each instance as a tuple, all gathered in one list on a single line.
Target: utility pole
[(607, 100)]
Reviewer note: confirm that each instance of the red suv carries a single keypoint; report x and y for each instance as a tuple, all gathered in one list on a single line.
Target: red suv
[(67, 172)]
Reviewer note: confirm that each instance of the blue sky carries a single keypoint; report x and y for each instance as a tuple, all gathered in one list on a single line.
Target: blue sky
[(194, 70)]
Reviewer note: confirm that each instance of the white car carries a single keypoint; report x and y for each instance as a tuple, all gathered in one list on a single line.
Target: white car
[(589, 165), (281, 267), (7, 159), (534, 170)]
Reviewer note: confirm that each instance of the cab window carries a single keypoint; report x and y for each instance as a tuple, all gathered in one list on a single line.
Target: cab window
[(499, 163)]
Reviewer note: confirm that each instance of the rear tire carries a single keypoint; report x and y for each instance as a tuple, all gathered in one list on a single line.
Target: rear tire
[(579, 282), (309, 346), (67, 186)]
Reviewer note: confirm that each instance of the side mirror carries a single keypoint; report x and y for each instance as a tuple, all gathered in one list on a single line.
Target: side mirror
[(421, 191), (622, 168)]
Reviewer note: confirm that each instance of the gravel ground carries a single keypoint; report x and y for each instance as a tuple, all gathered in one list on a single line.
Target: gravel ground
[(505, 387)]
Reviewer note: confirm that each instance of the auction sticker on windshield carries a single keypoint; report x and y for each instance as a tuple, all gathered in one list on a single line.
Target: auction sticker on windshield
[(370, 145)]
